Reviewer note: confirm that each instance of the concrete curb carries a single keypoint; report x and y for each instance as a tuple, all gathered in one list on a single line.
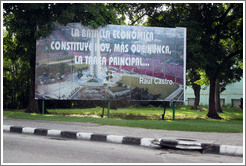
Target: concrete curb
[(82, 136), (146, 142), (204, 147)]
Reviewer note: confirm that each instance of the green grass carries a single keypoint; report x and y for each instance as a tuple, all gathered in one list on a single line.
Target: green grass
[(186, 119), (150, 112)]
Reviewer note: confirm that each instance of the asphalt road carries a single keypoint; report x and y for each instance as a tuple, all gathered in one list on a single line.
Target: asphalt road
[(235, 139), (23, 148)]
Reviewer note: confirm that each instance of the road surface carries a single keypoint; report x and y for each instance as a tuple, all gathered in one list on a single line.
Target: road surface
[(235, 139), (24, 148)]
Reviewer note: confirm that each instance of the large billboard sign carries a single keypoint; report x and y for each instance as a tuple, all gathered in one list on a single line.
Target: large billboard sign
[(115, 62)]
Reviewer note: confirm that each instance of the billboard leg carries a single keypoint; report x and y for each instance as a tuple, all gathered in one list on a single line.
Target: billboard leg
[(42, 106), (108, 108)]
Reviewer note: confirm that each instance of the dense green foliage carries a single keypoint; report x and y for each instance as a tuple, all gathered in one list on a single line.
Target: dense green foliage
[(15, 74)]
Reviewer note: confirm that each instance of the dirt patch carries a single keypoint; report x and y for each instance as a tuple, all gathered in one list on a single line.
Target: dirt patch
[(132, 116)]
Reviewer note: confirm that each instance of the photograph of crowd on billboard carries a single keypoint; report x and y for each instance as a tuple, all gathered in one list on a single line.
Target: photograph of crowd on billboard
[(115, 62)]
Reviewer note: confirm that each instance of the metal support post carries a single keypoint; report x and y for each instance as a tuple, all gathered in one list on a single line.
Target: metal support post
[(108, 108), (42, 106), (174, 104)]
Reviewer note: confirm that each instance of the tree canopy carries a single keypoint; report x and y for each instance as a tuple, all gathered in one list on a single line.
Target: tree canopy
[(27, 22), (214, 39)]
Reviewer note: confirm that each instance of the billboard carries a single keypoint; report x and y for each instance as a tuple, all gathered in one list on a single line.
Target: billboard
[(115, 62)]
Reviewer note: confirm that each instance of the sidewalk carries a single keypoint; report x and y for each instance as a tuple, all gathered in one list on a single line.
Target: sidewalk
[(231, 140)]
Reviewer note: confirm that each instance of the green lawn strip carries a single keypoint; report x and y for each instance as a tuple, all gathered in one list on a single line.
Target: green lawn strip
[(183, 112), (86, 111), (209, 125)]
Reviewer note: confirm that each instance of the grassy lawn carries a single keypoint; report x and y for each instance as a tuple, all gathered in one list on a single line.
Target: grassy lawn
[(152, 113), (185, 120)]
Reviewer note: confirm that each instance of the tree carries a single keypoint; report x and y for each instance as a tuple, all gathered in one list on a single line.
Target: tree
[(185, 15), (191, 79), (224, 41), (30, 21), (214, 39), (135, 13)]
